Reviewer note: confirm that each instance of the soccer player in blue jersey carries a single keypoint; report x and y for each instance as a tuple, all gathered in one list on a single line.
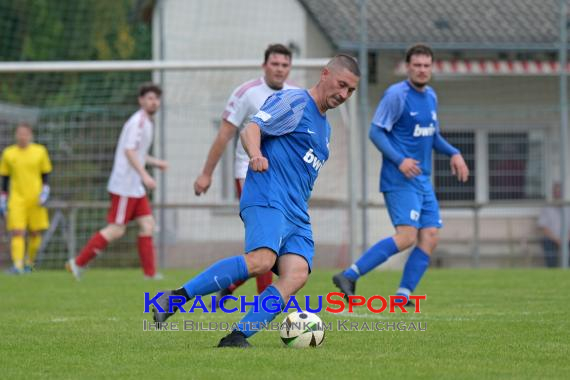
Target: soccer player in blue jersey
[(405, 129), (288, 143)]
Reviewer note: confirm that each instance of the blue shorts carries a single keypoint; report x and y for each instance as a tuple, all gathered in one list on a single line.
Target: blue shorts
[(410, 208), (267, 227)]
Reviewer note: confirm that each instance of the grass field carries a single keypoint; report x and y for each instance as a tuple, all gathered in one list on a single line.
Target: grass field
[(480, 324)]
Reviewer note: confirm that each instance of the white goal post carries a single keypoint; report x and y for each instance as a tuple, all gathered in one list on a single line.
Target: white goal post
[(102, 66)]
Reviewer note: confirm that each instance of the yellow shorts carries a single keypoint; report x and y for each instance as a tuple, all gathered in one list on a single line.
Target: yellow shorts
[(32, 218)]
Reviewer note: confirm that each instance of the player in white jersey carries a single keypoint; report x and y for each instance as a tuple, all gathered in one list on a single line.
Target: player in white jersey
[(244, 102), (127, 187)]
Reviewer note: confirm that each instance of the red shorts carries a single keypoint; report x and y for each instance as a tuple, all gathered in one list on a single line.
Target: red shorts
[(124, 209)]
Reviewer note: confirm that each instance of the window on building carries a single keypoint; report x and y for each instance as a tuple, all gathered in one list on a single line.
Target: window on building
[(516, 165)]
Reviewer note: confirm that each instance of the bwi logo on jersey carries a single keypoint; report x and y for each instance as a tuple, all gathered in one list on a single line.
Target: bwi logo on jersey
[(311, 158), (424, 131)]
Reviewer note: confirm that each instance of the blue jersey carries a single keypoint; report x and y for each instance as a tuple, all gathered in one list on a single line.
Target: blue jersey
[(295, 140), (410, 118)]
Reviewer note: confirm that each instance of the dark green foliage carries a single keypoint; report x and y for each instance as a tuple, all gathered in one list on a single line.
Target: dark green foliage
[(68, 30)]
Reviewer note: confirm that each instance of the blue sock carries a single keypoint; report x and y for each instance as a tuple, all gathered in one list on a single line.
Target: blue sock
[(414, 270), (218, 276), (375, 256), (249, 324)]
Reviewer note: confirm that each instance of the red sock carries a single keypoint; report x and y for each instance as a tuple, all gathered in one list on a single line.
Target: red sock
[(96, 244), (235, 285), (263, 281), (146, 254)]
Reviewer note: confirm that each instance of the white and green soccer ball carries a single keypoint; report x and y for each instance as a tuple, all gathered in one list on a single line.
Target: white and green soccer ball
[(302, 330)]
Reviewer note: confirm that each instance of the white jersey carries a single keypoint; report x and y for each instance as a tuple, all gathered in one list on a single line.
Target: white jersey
[(136, 134), (245, 101)]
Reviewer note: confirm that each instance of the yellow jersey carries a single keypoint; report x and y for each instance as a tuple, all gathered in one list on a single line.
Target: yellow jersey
[(25, 167)]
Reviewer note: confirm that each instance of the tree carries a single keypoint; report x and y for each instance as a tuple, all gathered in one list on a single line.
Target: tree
[(44, 30)]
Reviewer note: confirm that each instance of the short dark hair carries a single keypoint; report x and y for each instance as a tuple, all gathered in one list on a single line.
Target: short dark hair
[(277, 49), (24, 124), (418, 49), (345, 61), (149, 87)]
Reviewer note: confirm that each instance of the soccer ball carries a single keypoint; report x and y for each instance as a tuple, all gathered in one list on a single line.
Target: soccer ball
[(302, 330)]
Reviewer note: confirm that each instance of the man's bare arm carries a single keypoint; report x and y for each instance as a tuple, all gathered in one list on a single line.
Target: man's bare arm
[(148, 181), (251, 141), (156, 162), (225, 134)]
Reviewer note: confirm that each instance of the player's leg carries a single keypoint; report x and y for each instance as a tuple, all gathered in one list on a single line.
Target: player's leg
[(119, 214), (96, 244), (146, 223), (263, 280), (428, 237), (17, 217), (550, 248), (146, 246), (18, 250), (216, 277), (293, 267), (34, 242), (293, 274), (226, 271), (263, 230), (418, 262), (37, 223), (230, 289), (404, 210), (99, 241)]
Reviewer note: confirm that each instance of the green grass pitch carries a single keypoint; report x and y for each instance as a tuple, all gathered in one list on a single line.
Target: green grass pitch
[(480, 324)]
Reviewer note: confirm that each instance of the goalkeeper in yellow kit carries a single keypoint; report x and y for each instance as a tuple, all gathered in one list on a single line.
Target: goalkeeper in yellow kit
[(24, 170)]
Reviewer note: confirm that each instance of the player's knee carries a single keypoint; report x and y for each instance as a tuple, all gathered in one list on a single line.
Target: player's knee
[(434, 240), (290, 283), (113, 232), (146, 227), (260, 261), (406, 239), (429, 239), (298, 279)]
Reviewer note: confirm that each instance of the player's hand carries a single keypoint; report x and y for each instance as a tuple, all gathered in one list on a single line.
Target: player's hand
[(149, 182), (161, 164), (259, 164), (3, 203), (44, 195), (459, 168), (409, 167), (202, 184)]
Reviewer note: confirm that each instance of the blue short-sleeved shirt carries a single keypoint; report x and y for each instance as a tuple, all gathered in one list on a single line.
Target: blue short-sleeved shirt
[(410, 118), (295, 140)]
